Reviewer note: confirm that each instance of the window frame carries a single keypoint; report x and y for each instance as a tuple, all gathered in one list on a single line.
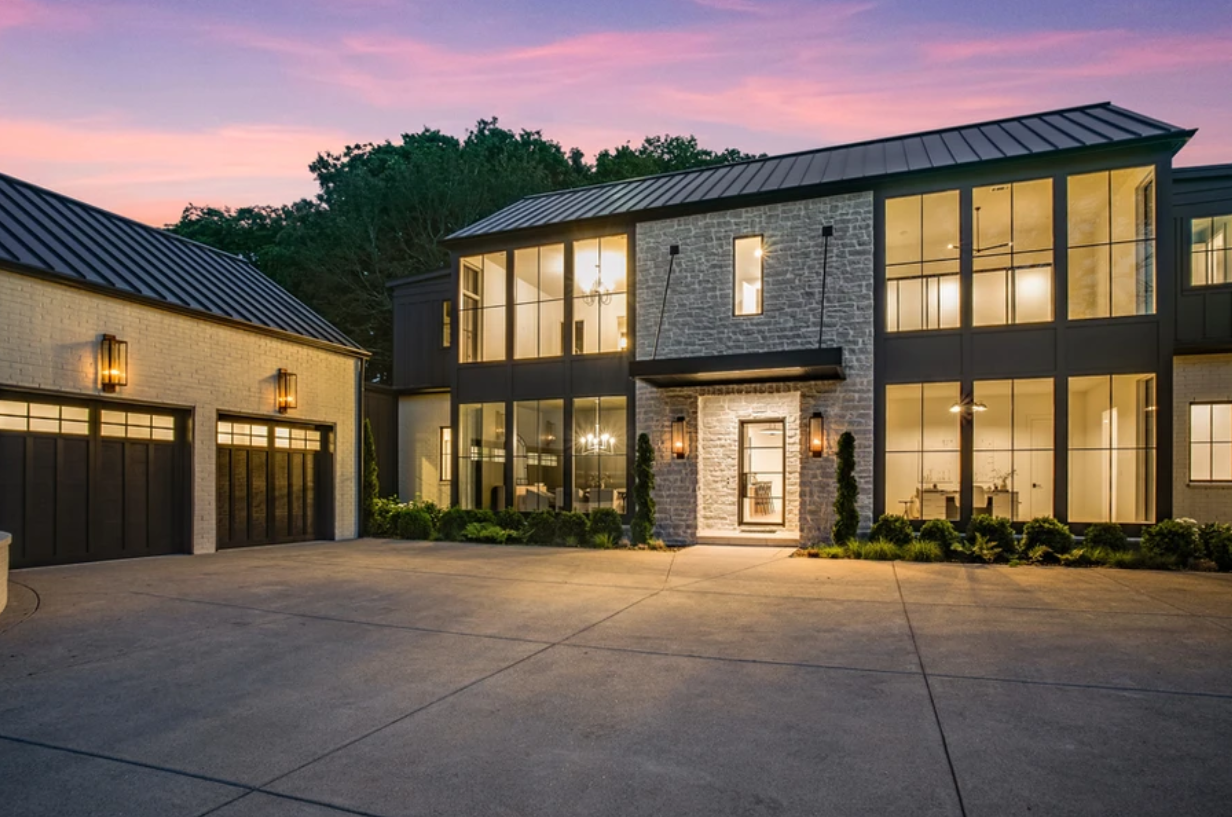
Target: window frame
[(1210, 443), (741, 473), (761, 275), (447, 323), (444, 451), (1187, 282), (930, 283), (569, 347)]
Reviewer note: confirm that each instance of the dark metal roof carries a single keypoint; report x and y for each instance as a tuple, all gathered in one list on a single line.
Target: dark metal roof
[(46, 232), (1088, 126)]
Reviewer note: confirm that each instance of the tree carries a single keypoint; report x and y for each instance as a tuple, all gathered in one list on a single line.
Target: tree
[(372, 479), (846, 515), (642, 529)]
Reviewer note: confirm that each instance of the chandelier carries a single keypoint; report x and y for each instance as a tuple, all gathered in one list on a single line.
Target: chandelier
[(598, 442), (598, 292)]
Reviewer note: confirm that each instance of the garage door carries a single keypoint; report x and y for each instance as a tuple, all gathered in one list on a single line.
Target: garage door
[(273, 483), (84, 480)]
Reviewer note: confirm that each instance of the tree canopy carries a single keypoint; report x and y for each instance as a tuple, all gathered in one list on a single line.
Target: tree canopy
[(383, 209)]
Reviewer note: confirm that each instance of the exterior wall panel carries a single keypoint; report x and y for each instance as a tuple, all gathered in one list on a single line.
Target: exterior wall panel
[(1198, 378)]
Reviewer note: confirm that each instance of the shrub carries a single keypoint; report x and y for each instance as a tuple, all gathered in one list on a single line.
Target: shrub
[(986, 549), (512, 521), (454, 521), (832, 552), (371, 483), (604, 541), (1105, 535), (642, 529), (606, 522), (541, 527), (572, 529), (1216, 539), (996, 530), (1077, 557), (892, 528), (1039, 554), (880, 550), (486, 532), (413, 523), (1044, 531), (381, 522), (923, 551), (846, 516), (941, 532), (1139, 560), (1174, 538)]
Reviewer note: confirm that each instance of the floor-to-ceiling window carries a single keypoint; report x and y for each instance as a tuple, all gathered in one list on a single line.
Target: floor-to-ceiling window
[(599, 453), (923, 470), (538, 455), (600, 304), (481, 455), (539, 301), (1112, 448), (1013, 448), (481, 308), (1012, 253), (1112, 243), (762, 472), (921, 257)]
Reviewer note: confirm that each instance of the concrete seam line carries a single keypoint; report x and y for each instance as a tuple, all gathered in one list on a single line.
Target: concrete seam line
[(932, 702), (735, 660), (1182, 610), (1220, 696)]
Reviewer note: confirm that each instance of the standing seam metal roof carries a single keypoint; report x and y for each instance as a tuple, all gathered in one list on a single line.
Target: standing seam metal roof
[(43, 230), (1099, 125)]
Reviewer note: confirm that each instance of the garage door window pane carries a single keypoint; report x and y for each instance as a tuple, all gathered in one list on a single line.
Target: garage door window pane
[(44, 418), (140, 426)]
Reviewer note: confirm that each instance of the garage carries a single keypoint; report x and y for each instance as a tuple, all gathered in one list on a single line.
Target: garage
[(86, 480), (273, 482)]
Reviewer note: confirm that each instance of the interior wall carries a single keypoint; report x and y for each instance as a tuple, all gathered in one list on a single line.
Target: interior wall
[(420, 419)]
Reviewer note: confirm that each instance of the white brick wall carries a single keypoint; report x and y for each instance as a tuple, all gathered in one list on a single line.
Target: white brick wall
[(49, 337), (1197, 378)]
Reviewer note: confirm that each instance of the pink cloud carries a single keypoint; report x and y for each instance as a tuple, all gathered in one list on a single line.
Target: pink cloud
[(30, 14)]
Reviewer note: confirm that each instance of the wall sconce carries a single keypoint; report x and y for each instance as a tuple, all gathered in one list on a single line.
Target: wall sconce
[(112, 363), (288, 391), (817, 434), (678, 438)]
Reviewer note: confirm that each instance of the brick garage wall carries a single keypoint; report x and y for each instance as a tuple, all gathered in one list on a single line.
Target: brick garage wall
[(1197, 378), (49, 340), (698, 321)]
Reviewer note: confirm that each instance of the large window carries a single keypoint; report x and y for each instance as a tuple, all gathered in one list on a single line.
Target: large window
[(445, 464), (1210, 442), (1013, 444), (538, 455), (1012, 253), (921, 252), (599, 462), (1112, 243), (922, 465), (746, 284), (600, 276), (446, 323), (1112, 448), (762, 472), (539, 298), (482, 308), (1211, 258), (481, 456)]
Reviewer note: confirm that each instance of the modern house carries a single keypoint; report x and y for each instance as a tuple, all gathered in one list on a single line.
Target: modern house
[(159, 396), (1025, 317)]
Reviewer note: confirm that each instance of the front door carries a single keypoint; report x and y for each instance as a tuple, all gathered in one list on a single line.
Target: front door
[(762, 471)]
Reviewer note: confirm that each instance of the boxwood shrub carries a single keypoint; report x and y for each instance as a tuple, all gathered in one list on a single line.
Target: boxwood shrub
[(572, 529), (512, 521), (1216, 539), (1172, 538), (941, 532), (892, 528), (1105, 535), (996, 529), (413, 523), (1047, 532), (541, 527), (606, 521)]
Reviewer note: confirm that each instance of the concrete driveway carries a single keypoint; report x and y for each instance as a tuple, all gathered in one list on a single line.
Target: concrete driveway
[(388, 678)]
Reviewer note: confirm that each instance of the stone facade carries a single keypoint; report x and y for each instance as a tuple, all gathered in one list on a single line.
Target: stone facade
[(49, 340), (1197, 378), (420, 419), (697, 496)]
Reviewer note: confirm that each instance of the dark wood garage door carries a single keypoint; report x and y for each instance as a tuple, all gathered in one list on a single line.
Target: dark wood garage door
[(273, 484), (84, 480)]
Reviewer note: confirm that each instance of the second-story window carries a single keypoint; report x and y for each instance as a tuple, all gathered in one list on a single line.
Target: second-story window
[(921, 258), (482, 308), (1011, 234), (1211, 251), (600, 279), (747, 283), (446, 324), (1112, 243), (539, 298)]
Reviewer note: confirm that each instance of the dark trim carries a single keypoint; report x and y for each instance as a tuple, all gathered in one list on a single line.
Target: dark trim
[(740, 475), (755, 367)]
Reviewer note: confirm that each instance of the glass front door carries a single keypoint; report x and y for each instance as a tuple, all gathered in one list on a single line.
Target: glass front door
[(762, 467)]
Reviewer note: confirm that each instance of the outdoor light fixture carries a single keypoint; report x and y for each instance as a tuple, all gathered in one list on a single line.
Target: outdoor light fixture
[(112, 363), (678, 438), (288, 391), (817, 434), (967, 406)]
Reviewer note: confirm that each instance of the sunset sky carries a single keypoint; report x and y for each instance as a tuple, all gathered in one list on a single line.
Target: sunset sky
[(142, 106)]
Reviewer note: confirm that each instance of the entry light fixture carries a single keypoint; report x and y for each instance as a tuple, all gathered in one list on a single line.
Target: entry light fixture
[(967, 406), (679, 438), (288, 391), (817, 434), (112, 363)]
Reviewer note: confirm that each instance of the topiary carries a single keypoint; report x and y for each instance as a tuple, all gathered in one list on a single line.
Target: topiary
[(1105, 535), (572, 529), (1047, 532), (541, 527), (1216, 538), (996, 529), (511, 520), (414, 523), (941, 532), (847, 493), (1173, 538), (642, 529), (606, 522), (892, 528)]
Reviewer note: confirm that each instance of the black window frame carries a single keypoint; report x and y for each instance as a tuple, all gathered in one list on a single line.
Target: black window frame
[(740, 474)]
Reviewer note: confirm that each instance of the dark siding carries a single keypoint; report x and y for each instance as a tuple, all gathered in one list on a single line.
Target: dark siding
[(1203, 314), (420, 359), (381, 410)]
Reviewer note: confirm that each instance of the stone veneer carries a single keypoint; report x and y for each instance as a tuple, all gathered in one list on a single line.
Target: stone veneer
[(699, 494), (1197, 378)]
